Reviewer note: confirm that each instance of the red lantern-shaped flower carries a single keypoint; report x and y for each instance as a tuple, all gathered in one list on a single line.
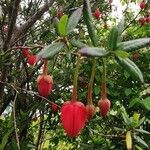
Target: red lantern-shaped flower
[(73, 117), (44, 83), (31, 59), (104, 106)]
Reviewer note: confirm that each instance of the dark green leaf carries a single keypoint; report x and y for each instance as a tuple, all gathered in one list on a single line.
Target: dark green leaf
[(51, 50), (87, 16), (132, 68), (5, 138), (113, 39), (134, 102), (62, 25), (93, 51), (134, 44), (77, 43), (73, 20)]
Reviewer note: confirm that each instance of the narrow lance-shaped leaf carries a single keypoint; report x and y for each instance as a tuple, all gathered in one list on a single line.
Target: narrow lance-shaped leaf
[(128, 140), (142, 131), (51, 50), (131, 67), (134, 44), (113, 39), (62, 25), (139, 140), (87, 16), (56, 21), (93, 51), (73, 20)]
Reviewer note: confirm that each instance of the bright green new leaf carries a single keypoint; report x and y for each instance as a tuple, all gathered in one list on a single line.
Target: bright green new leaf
[(132, 68), (73, 20), (51, 50), (62, 25), (128, 140), (134, 44), (93, 51), (136, 117), (121, 54)]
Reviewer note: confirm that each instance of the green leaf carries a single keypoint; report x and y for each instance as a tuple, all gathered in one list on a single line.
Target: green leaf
[(128, 91), (121, 54), (51, 50), (87, 16), (5, 139), (139, 140), (93, 51), (62, 25), (134, 102), (113, 39), (56, 22), (142, 131), (134, 44), (132, 68), (138, 147), (73, 20), (77, 43), (146, 103)]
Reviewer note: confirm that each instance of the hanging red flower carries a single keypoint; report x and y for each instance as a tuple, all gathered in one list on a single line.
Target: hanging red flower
[(31, 59), (104, 106), (73, 117), (44, 83)]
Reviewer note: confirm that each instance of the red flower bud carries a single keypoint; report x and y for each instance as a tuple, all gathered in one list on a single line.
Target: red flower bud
[(97, 14), (44, 83), (142, 5), (54, 107), (31, 59), (90, 109), (104, 106), (142, 21), (73, 117), (25, 52)]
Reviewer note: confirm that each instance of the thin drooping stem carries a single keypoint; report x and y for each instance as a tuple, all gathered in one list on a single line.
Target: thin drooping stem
[(75, 81), (90, 85), (45, 67), (104, 92)]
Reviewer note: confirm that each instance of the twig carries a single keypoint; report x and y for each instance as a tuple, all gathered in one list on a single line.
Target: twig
[(14, 116)]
